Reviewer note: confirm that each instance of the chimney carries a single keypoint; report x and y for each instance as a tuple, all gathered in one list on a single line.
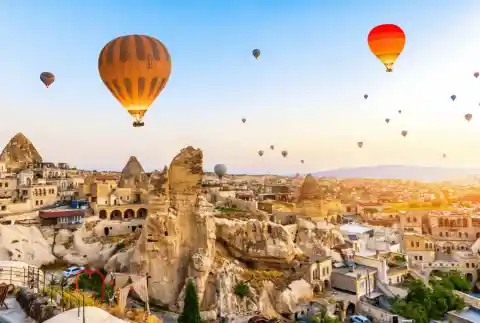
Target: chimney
[(377, 254)]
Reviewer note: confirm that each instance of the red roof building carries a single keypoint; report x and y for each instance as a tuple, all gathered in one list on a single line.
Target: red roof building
[(61, 217)]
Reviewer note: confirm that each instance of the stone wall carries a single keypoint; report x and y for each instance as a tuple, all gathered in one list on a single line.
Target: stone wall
[(38, 307)]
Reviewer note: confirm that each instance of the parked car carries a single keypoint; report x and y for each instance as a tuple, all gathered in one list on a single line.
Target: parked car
[(359, 319), (72, 271)]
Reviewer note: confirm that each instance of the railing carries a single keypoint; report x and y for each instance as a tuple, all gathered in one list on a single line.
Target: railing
[(35, 279)]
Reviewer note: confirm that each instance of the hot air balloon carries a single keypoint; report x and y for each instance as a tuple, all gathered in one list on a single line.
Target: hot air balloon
[(302, 161), (272, 147), (220, 170), (387, 43), (260, 153), (256, 53), (404, 133), (135, 69), (47, 78), (360, 144), (365, 96), (476, 74), (244, 120), (468, 117), (399, 111), (453, 97), (284, 153), (387, 120), (444, 155)]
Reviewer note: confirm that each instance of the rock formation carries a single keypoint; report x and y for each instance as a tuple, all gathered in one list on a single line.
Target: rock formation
[(19, 153), (309, 189), (133, 175), (178, 242), (262, 242)]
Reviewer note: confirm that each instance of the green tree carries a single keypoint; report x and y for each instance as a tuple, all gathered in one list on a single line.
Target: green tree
[(424, 302), (191, 308)]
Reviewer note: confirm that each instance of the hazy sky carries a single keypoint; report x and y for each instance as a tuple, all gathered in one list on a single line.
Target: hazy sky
[(305, 94)]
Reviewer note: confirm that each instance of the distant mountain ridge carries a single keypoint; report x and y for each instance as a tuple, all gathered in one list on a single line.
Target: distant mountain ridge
[(404, 172)]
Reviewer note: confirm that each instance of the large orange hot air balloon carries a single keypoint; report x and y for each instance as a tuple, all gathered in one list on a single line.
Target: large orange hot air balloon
[(135, 68), (386, 42)]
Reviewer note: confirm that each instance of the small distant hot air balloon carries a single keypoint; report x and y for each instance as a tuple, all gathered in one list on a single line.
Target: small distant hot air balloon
[(260, 153), (302, 161), (220, 170), (387, 120), (244, 120), (256, 53), (476, 75), (444, 155), (47, 78), (404, 133), (360, 144), (272, 147), (453, 97), (468, 117), (365, 96), (135, 69), (284, 153), (399, 111), (386, 42)]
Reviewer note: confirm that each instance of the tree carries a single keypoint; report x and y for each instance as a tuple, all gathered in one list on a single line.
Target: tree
[(424, 302), (191, 308)]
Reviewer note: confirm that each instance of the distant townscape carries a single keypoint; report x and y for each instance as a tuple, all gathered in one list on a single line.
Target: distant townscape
[(255, 247)]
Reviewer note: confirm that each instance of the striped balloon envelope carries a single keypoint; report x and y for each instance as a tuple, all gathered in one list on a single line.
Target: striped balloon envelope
[(135, 69), (387, 43)]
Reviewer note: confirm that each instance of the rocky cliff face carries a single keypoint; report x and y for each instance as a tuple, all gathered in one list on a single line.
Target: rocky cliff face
[(133, 175), (19, 152), (178, 241), (261, 242)]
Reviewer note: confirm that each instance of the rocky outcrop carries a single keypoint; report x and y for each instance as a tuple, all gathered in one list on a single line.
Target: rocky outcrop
[(178, 240), (19, 153), (316, 238), (309, 189), (262, 242), (133, 176)]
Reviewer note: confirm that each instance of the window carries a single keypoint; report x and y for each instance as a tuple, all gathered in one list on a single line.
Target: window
[(420, 257), (411, 243), (468, 265), (459, 234), (414, 219), (36, 202), (416, 257), (466, 235), (418, 244), (441, 234), (408, 219), (446, 234), (1, 184), (4, 207)]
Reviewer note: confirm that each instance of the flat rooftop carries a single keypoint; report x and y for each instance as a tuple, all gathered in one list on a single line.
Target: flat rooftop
[(362, 270), (355, 228), (471, 314)]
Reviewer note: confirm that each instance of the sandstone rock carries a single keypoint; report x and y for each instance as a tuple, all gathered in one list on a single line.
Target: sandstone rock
[(309, 189), (178, 239), (27, 244), (158, 181), (19, 152), (133, 176), (316, 238), (288, 300), (254, 240)]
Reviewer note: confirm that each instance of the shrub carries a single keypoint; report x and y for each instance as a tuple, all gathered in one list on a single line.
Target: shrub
[(242, 289)]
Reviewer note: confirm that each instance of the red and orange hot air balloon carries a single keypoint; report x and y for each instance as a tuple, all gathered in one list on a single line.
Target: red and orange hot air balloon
[(386, 42)]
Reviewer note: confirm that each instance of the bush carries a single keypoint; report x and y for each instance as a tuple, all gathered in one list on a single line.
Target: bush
[(242, 289)]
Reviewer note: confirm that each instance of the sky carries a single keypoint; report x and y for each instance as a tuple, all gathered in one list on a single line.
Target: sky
[(304, 95)]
